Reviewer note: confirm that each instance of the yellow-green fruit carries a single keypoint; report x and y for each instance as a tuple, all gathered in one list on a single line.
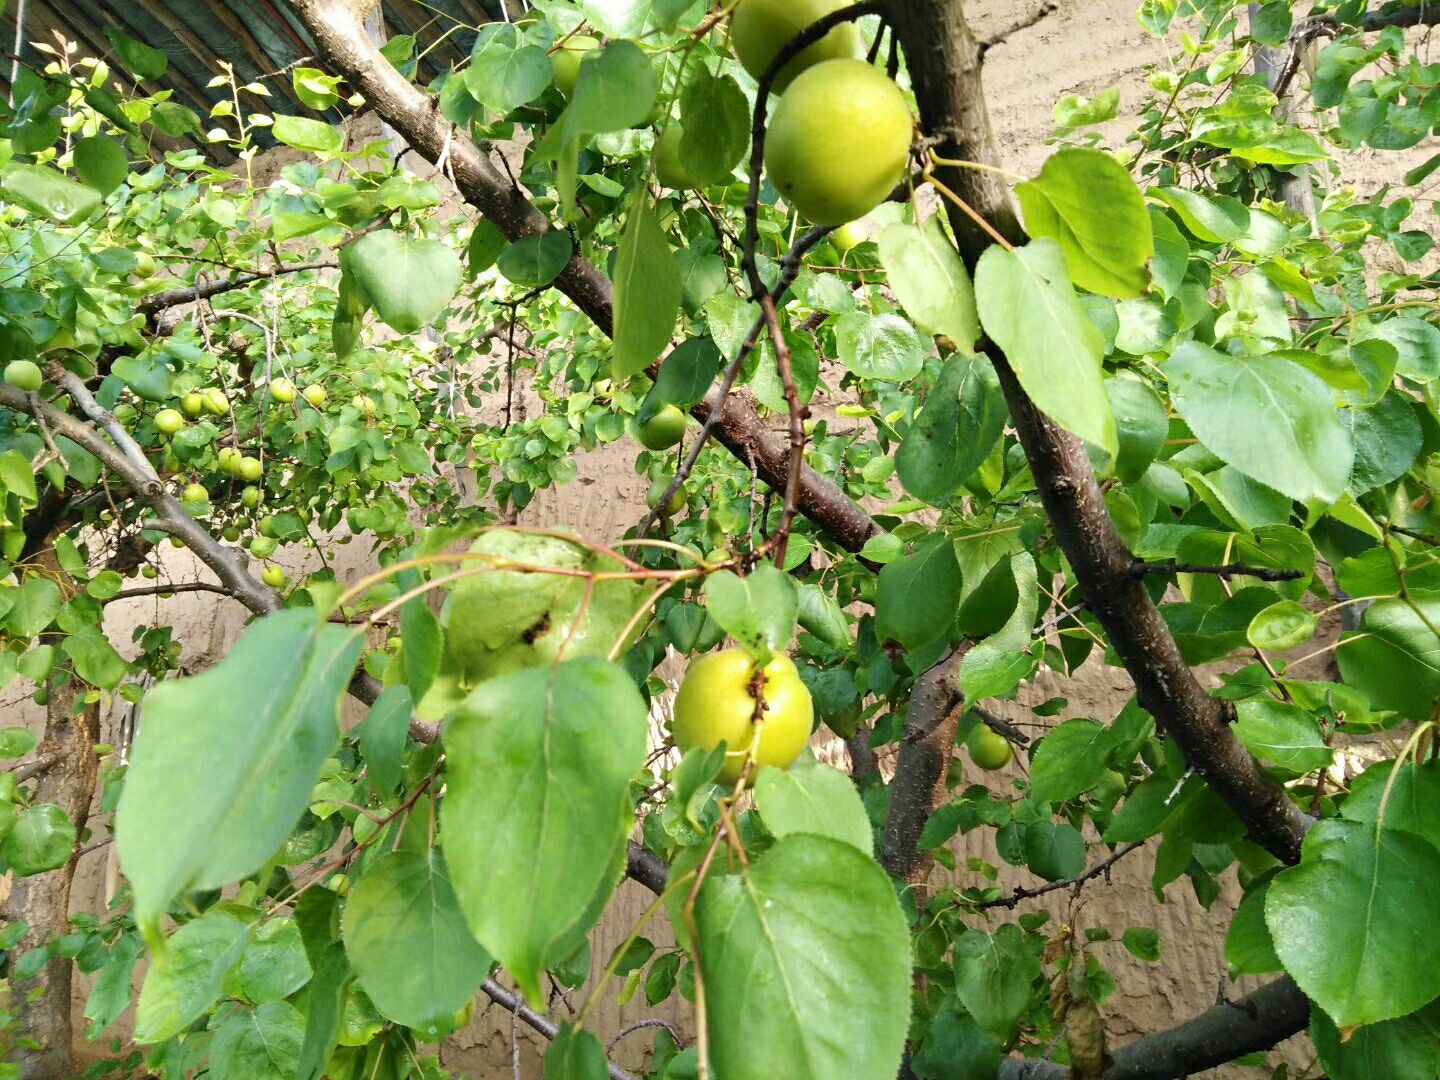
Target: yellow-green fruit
[(364, 404), (315, 394), (250, 469), (663, 428), (282, 390), (669, 169), (989, 750), (839, 141), (847, 236), (359, 1021), (150, 572), (674, 504), (567, 58), (231, 533), (715, 705), (193, 403), (144, 264), (759, 29), (267, 525), (23, 375), (194, 493), (262, 547), (273, 576), (216, 403), (168, 421), (250, 497), (229, 460)]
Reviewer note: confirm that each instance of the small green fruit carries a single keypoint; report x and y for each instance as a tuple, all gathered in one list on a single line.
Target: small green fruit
[(759, 29), (23, 375), (989, 750), (231, 533), (149, 571), (847, 236), (250, 469), (282, 390), (194, 493), (715, 705), (267, 525), (676, 503), (250, 497), (315, 394), (663, 428), (262, 547), (364, 404), (669, 168), (273, 576), (839, 141), (216, 403), (229, 460), (193, 403), (567, 59), (168, 421)]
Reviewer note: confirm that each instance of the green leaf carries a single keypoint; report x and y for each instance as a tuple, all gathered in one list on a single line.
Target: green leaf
[(575, 1054), (1143, 943), (41, 839), (408, 941), (996, 665), (409, 280), (956, 1048), (809, 943), (879, 346), (1270, 418), (1413, 803), (1248, 947), (141, 60), (273, 965), (16, 742), (918, 595), (316, 89), (711, 148), (758, 611), (647, 292), (101, 163), (959, 425), (110, 996), (1387, 439), (1282, 625), (812, 798), (484, 247), (42, 190), (536, 260), (505, 73), (1069, 760), (1029, 308), (1395, 658), (1141, 425), (1054, 850), (538, 771), (1086, 202), (1400, 1049), (1417, 342), (186, 976), (383, 736), (819, 613), (33, 606), (225, 763), (1216, 219), (930, 280), (260, 1045), (1350, 921), (312, 136), (615, 89), (687, 373), (95, 659), (994, 978)]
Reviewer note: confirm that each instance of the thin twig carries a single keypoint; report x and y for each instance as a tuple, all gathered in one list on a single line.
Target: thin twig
[(1225, 570), (1014, 898)]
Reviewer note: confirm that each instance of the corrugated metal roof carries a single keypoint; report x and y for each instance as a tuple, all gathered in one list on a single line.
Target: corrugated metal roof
[(262, 39)]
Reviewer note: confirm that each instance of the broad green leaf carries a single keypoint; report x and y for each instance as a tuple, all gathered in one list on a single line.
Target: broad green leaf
[(408, 280), (1283, 625), (960, 423), (408, 941), (1418, 343), (315, 88), (95, 659), (994, 977), (575, 1054), (711, 148), (1387, 438), (110, 996), (879, 346), (1268, 417), (1054, 850), (758, 610), (1086, 202), (1069, 760), (1278, 732), (101, 163), (812, 798), (1142, 942), (800, 952), (1414, 800), (647, 292), (918, 595), (615, 90), (41, 839), (536, 260), (930, 280), (312, 136), (1248, 947), (957, 1048), (1141, 425), (33, 605), (42, 190), (383, 735), (1216, 219), (504, 72), (259, 1045), (141, 60), (1395, 658), (225, 761), (1350, 923), (484, 247), (819, 613), (996, 665), (1029, 308), (538, 772), (186, 975), (273, 965), (16, 742), (1394, 1050)]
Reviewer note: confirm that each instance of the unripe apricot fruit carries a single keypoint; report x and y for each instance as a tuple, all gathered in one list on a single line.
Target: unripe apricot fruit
[(759, 29), (989, 750)]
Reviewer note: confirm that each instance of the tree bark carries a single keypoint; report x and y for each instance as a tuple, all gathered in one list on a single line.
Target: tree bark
[(42, 1003), (339, 34)]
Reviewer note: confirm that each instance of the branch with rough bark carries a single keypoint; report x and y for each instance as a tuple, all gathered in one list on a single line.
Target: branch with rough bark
[(1221, 1034), (945, 69), (340, 38), (516, 1004)]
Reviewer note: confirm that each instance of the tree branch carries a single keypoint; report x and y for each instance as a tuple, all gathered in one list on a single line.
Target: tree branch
[(1010, 900), (415, 115), (160, 301), (944, 65), (506, 1000), (1226, 570), (647, 868), (1230, 1030)]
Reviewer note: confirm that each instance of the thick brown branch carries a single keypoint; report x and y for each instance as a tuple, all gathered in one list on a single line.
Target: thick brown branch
[(341, 39), (1230, 1030), (944, 65)]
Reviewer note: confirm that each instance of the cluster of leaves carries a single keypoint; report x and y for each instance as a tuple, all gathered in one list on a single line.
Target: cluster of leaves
[(1250, 393)]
